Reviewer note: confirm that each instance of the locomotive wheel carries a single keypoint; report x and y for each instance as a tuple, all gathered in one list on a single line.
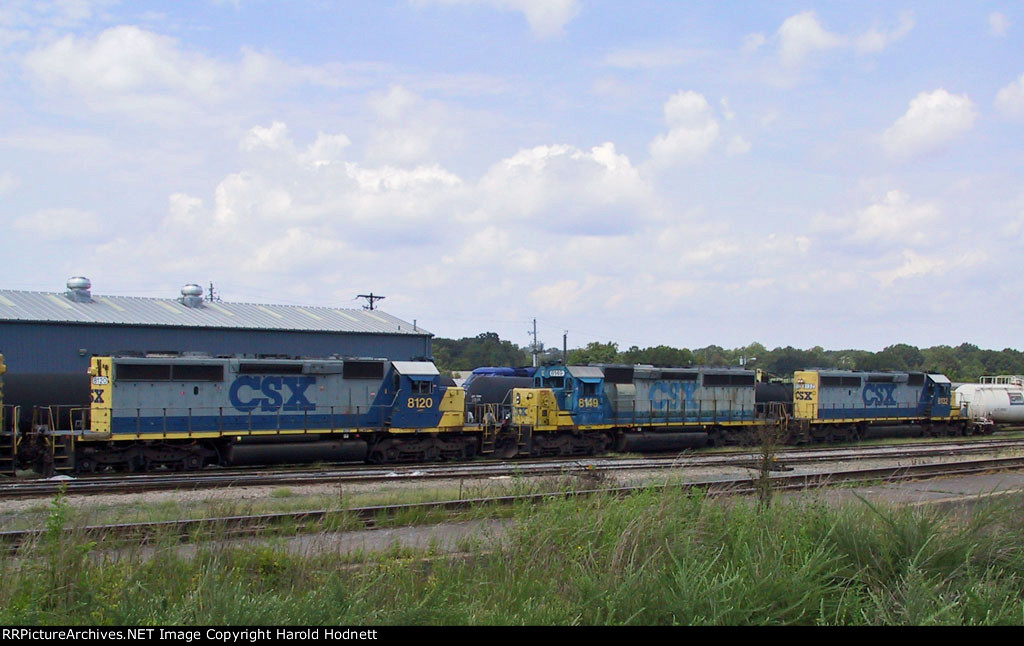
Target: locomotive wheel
[(193, 462), (85, 465)]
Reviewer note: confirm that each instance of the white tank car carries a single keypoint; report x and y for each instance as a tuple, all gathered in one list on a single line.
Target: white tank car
[(998, 399)]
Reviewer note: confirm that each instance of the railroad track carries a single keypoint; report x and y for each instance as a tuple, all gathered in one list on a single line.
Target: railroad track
[(368, 517), (362, 473)]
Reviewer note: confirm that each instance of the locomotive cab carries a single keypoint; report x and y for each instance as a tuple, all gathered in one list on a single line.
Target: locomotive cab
[(562, 396), (415, 398), (939, 395)]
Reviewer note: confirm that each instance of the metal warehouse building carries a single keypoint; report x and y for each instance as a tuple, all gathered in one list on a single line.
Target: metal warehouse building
[(47, 338)]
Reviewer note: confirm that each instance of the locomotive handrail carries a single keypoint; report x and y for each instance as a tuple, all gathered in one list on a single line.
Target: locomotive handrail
[(659, 412)]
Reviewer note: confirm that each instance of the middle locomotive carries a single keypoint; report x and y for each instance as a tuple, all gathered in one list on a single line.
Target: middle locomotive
[(181, 412)]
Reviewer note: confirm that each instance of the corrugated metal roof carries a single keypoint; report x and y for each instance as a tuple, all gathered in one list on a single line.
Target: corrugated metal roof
[(53, 307)]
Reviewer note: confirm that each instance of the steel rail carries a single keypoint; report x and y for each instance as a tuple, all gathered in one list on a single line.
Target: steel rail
[(254, 525), (362, 473)]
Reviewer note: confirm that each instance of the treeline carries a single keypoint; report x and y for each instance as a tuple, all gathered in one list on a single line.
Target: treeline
[(481, 350), (965, 362)]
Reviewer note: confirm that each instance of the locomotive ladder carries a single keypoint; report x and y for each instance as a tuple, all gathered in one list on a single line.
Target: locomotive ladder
[(8, 442), (524, 440), (59, 454), (489, 421), (61, 445), (489, 439)]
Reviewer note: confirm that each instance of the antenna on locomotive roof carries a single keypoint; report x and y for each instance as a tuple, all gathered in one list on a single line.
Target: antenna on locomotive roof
[(370, 297)]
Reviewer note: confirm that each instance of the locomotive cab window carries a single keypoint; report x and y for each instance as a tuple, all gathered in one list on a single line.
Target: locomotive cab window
[(589, 389), (422, 387)]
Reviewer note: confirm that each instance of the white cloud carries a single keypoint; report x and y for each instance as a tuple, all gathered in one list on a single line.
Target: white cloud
[(802, 39), (60, 224), (693, 129), (802, 35), (8, 183), (998, 24), (753, 42), (273, 137), (737, 146), (326, 149), (561, 188), (726, 110), (875, 40), (1010, 99), (127, 60), (151, 77), (411, 129), (896, 220), (917, 265), (547, 18), (933, 119)]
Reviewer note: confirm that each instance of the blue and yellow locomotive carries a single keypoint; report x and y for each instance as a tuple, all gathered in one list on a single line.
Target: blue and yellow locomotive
[(836, 405), (185, 412)]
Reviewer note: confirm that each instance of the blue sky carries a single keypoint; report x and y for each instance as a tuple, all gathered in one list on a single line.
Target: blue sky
[(844, 174)]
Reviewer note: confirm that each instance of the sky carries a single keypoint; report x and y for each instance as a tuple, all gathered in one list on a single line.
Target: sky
[(848, 174)]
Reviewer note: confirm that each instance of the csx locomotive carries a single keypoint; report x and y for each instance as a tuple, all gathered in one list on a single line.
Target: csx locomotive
[(185, 412)]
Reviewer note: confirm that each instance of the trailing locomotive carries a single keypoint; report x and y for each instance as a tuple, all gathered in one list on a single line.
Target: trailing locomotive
[(186, 412), (646, 408)]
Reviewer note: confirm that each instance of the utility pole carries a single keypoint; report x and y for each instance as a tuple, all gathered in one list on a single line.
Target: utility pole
[(533, 346), (370, 297), (565, 348), (211, 296)]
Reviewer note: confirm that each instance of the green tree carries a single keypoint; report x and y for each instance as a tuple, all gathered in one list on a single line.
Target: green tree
[(595, 353)]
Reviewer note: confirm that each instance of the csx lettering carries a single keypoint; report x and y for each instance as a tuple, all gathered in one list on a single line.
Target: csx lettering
[(243, 391), (97, 396), (420, 402), (805, 396), (672, 395), (589, 402), (879, 395)]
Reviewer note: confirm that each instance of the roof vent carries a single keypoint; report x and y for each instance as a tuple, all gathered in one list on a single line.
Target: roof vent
[(78, 289), (191, 295)]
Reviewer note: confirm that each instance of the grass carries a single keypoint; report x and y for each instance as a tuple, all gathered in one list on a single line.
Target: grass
[(657, 557)]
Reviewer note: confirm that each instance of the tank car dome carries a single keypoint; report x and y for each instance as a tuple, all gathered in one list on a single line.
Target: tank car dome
[(79, 282), (191, 290)]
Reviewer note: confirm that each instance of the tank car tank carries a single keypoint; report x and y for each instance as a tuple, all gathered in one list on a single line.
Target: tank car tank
[(999, 399)]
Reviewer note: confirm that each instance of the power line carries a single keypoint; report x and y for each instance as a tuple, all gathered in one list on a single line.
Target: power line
[(371, 298)]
